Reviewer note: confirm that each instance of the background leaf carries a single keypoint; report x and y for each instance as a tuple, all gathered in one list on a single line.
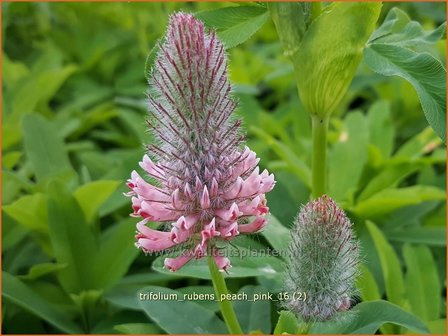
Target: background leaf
[(44, 148), (235, 25), (73, 241), (390, 265), (181, 317), (253, 315), (389, 53), (19, 293), (367, 317), (422, 282)]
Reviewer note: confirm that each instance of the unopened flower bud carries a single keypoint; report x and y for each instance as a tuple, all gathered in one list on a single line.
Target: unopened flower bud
[(323, 261)]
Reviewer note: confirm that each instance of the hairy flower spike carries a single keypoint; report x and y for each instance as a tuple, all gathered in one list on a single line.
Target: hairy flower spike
[(203, 185), (323, 260)]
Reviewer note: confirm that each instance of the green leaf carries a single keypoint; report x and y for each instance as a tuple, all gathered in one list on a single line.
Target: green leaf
[(326, 63), (389, 177), (36, 271), (15, 290), (433, 236), (399, 30), (426, 74), (422, 282), (73, 241), (243, 265), (388, 53), (437, 327), (235, 25), (418, 145), (291, 20), (381, 129), (44, 148), (92, 195), (368, 317), (287, 323), (348, 155), (388, 200), (38, 86), (137, 329), (253, 315), (366, 285), (116, 253), (296, 164), (30, 211), (276, 234), (390, 266), (180, 317)]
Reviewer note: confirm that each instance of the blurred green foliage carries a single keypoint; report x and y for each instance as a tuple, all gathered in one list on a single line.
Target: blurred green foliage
[(73, 129)]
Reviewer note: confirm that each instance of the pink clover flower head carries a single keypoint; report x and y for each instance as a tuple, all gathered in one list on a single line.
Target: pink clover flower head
[(202, 183)]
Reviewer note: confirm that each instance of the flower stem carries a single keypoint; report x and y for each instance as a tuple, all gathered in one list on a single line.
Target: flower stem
[(225, 305), (319, 158)]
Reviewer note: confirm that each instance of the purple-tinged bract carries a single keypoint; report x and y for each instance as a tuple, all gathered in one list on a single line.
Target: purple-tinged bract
[(201, 182)]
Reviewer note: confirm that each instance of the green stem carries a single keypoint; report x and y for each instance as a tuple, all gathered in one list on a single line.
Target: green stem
[(225, 305), (319, 158)]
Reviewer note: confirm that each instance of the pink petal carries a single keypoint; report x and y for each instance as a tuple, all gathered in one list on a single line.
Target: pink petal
[(205, 199), (250, 207), (208, 232), (180, 232), (151, 168), (146, 190), (214, 188), (155, 245), (173, 264), (229, 230), (229, 215), (256, 225), (176, 200), (223, 263), (149, 233), (157, 212), (234, 190)]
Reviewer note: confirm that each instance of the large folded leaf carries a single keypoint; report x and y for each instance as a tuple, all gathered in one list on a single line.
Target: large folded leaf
[(291, 20), (180, 317), (368, 317), (235, 25), (19, 293), (330, 52)]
